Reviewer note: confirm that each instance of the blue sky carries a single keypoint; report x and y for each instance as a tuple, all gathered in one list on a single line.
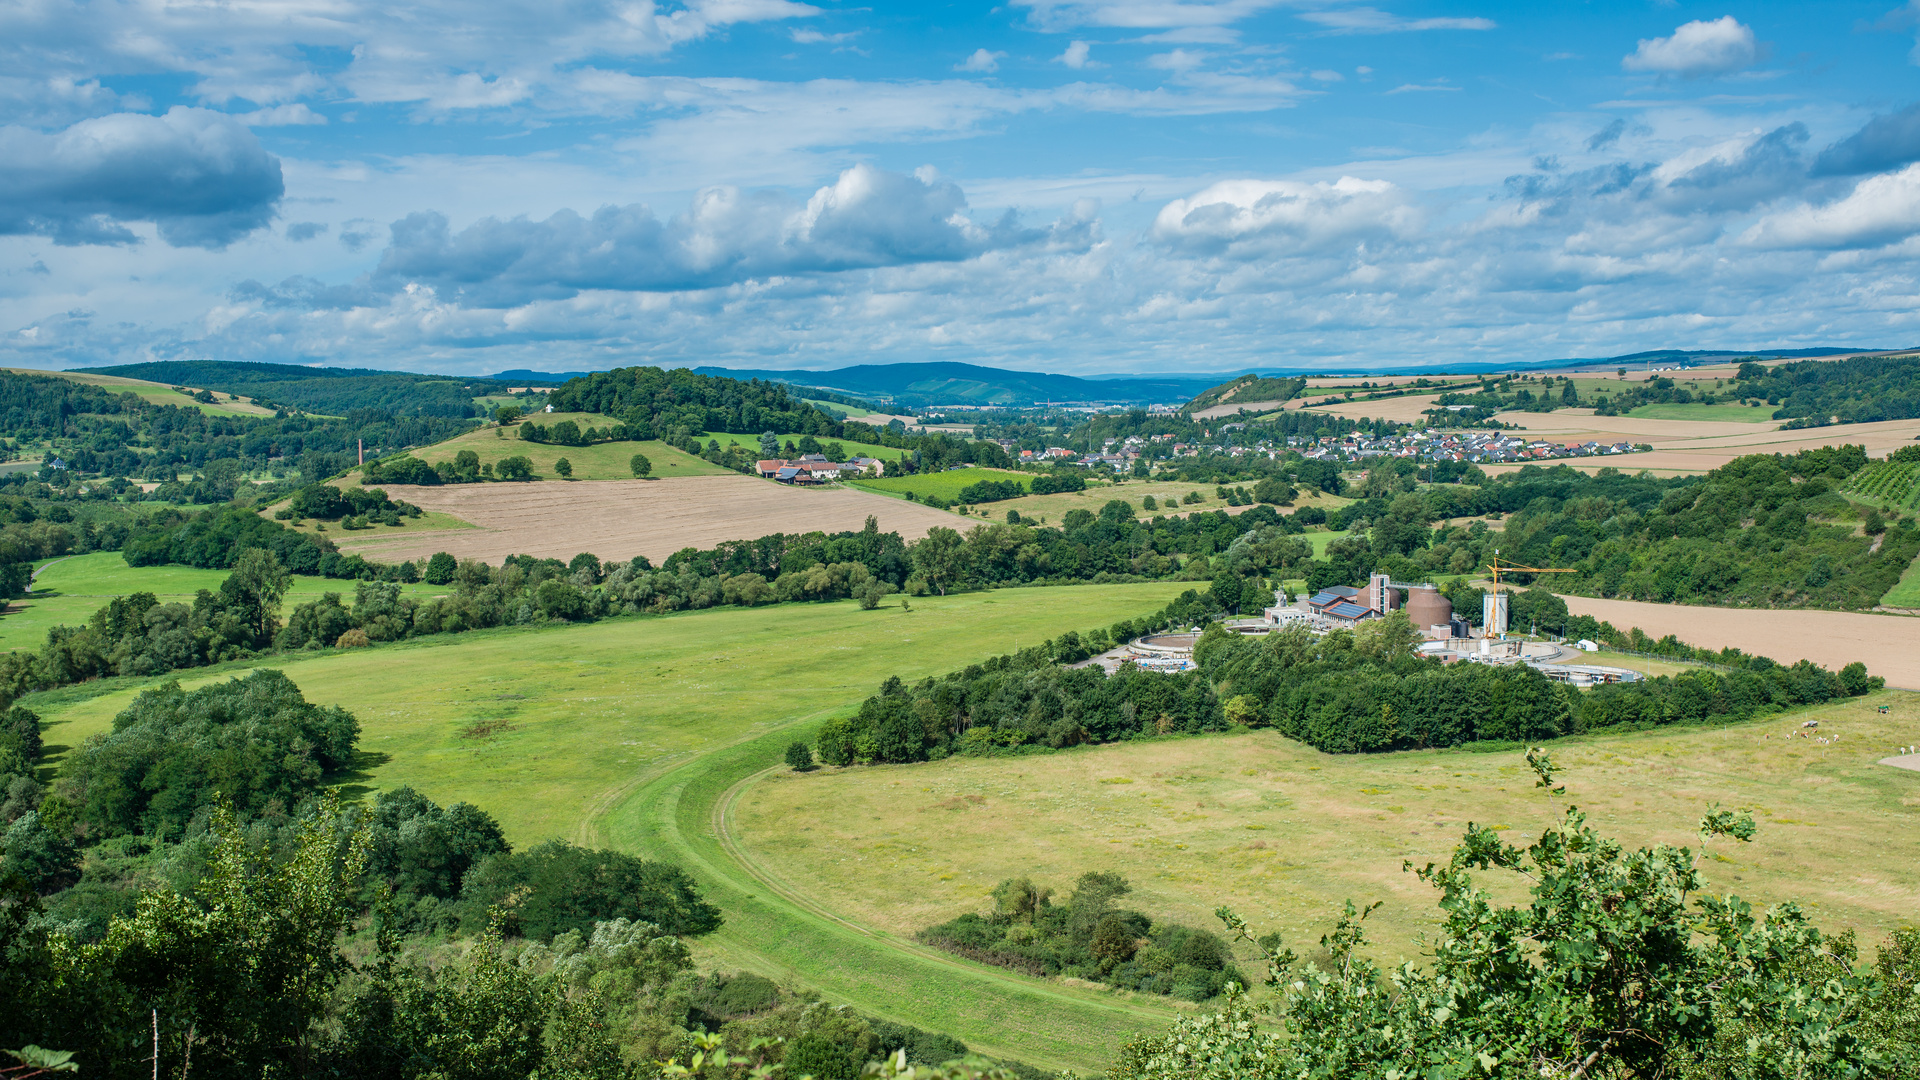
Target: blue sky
[(1070, 185)]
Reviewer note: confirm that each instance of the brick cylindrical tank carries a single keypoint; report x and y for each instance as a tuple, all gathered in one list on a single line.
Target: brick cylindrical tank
[(1426, 607)]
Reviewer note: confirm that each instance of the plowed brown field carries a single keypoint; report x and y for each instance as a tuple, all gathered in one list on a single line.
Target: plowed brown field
[(619, 519), (1888, 644)]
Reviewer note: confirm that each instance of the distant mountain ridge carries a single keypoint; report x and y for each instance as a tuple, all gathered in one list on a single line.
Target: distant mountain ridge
[(952, 383)]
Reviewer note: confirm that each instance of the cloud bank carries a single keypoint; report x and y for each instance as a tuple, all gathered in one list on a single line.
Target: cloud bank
[(199, 176)]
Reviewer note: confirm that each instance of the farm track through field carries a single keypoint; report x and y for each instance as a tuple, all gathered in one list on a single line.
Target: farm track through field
[(682, 814)]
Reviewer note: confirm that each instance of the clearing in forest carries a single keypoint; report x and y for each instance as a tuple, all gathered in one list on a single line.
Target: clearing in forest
[(619, 519)]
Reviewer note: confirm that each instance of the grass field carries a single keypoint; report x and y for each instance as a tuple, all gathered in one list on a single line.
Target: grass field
[(946, 484), (1737, 414), (1284, 834), (68, 592), (1905, 592), (630, 731)]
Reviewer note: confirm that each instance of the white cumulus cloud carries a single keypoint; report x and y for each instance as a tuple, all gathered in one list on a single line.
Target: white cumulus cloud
[(981, 60), (1077, 55), (1248, 217), (1697, 48), (1880, 210)]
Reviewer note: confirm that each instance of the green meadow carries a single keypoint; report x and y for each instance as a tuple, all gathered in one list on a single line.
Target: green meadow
[(1737, 414), (68, 591), (629, 731), (945, 484)]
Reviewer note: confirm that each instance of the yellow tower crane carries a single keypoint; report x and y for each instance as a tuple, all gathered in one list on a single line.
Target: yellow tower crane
[(1494, 564)]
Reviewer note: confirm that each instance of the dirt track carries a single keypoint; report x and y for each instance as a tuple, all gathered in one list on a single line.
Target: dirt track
[(618, 519), (1888, 644)]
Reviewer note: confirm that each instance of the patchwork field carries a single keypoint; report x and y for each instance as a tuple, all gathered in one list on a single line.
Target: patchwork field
[(619, 519), (1698, 445), (1888, 644), (1285, 835), (68, 591), (628, 732), (1410, 409)]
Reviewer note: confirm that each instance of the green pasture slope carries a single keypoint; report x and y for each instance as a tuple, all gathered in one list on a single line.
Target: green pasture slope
[(945, 484), (68, 591), (1738, 414), (632, 732)]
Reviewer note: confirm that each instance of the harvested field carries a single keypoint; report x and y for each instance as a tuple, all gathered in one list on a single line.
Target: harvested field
[(1644, 429), (1659, 463), (1888, 644), (1695, 446), (1403, 410), (619, 519)]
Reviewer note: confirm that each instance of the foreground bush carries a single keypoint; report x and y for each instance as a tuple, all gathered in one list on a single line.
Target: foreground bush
[(1617, 965)]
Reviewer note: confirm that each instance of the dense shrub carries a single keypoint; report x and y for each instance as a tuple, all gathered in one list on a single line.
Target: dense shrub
[(1089, 938), (558, 887), (255, 740)]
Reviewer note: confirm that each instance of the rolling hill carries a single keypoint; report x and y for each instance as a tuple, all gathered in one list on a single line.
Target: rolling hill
[(329, 390)]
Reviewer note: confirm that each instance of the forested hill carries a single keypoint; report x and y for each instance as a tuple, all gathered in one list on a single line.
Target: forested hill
[(334, 391), (94, 430), (1814, 393), (663, 402), (1248, 388)]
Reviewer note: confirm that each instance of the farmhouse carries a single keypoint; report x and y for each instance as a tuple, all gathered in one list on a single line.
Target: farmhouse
[(808, 469)]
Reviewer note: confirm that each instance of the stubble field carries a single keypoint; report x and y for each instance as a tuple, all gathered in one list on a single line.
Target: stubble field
[(1888, 644), (619, 519)]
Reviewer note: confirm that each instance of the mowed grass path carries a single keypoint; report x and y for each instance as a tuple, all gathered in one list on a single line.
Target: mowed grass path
[(1285, 834), (628, 732), (69, 590)]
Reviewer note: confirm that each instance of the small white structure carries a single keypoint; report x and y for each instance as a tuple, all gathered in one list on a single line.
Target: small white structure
[(1584, 645)]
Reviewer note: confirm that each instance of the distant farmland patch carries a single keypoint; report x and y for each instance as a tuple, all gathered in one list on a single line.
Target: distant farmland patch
[(620, 519)]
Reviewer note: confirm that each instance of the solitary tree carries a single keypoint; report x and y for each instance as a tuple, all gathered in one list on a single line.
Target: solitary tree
[(769, 444), (259, 583), (517, 467), (640, 465), (800, 756), (563, 467), (938, 557), (506, 414)]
